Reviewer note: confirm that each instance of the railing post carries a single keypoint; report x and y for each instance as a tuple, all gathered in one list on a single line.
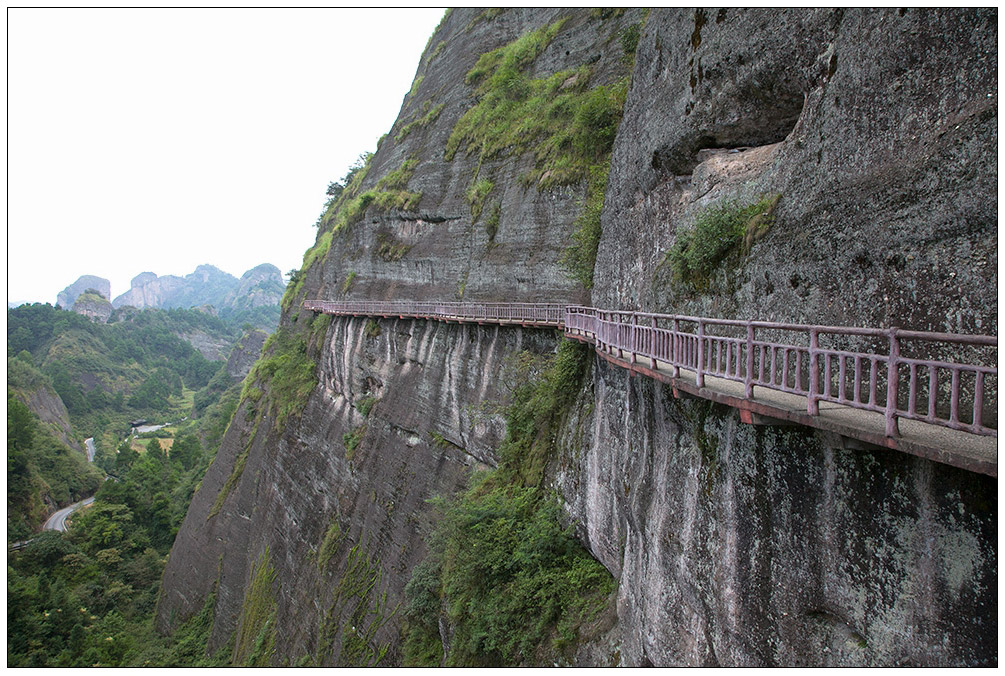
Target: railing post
[(748, 381), (812, 406), (634, 340), (700, 375), (675, 348), (620, 337), (653, 355), (892, 376)]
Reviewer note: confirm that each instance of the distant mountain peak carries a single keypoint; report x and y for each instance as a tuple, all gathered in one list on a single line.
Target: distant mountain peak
[(68, 296)]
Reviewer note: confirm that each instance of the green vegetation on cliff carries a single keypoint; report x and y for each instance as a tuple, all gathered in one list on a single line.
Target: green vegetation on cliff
[(718, 231), (285, 372), (514, 582), (566, 124), (429, 115), (580, 257), (256, 633)]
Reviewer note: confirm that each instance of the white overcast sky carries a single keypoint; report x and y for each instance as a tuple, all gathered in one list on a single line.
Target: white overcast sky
[(163, 139)]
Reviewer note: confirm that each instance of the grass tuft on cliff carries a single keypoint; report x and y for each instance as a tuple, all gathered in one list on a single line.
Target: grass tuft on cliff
[(581, 256), (718, 231)]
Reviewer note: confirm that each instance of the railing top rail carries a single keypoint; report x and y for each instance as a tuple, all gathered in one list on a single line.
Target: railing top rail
[(453, 303), (902, 334)]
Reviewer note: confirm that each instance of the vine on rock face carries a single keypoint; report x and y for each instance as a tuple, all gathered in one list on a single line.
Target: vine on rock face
[(256, 636)]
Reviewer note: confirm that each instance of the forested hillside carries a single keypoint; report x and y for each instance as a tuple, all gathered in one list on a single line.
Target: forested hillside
[(86, 597)]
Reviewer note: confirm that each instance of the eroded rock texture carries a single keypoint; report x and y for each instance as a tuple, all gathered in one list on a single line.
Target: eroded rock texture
[(737, 545), (425, 430), (732, 545)]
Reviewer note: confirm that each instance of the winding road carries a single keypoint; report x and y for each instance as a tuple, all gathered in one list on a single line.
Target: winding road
[(58, 519)]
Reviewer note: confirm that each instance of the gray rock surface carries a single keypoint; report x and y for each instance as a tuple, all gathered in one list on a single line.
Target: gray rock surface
[(213, 348), (245, 353), (878, 129), (751, 546), (148, 290), (68, 296), (450, 255), (206, 285), (738, 546), (50, 409), (421, 438)]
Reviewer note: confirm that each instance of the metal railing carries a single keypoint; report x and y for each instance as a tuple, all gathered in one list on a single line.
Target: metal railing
[(949, 393), (945, 393), (538, 314)]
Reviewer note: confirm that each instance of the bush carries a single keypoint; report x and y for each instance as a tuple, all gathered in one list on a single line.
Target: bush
[(476, 196), (511, 574), (718, 231)]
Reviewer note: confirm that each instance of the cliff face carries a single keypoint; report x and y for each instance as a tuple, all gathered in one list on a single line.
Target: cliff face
[(756, 546), (421, 434), (42, 400), (253, 299), (148, 290), (260, 286), (206, 285), (244, 354), (732, 545), (877, 129)]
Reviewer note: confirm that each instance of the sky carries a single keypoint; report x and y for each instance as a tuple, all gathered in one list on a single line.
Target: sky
[(159, 140)]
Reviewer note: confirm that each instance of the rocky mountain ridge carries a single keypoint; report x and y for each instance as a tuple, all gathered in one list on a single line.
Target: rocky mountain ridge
[(207, 285), (254, 298)]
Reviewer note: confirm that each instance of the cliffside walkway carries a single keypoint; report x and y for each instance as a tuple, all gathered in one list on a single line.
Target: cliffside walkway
[(873, 387)]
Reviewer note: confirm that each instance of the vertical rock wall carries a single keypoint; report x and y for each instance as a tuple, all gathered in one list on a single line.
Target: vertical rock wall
[(430, 419), (737, 545), (877, 128)]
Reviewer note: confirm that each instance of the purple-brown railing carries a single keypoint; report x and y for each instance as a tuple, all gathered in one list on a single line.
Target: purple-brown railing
[(539, 314), (954, 394)]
